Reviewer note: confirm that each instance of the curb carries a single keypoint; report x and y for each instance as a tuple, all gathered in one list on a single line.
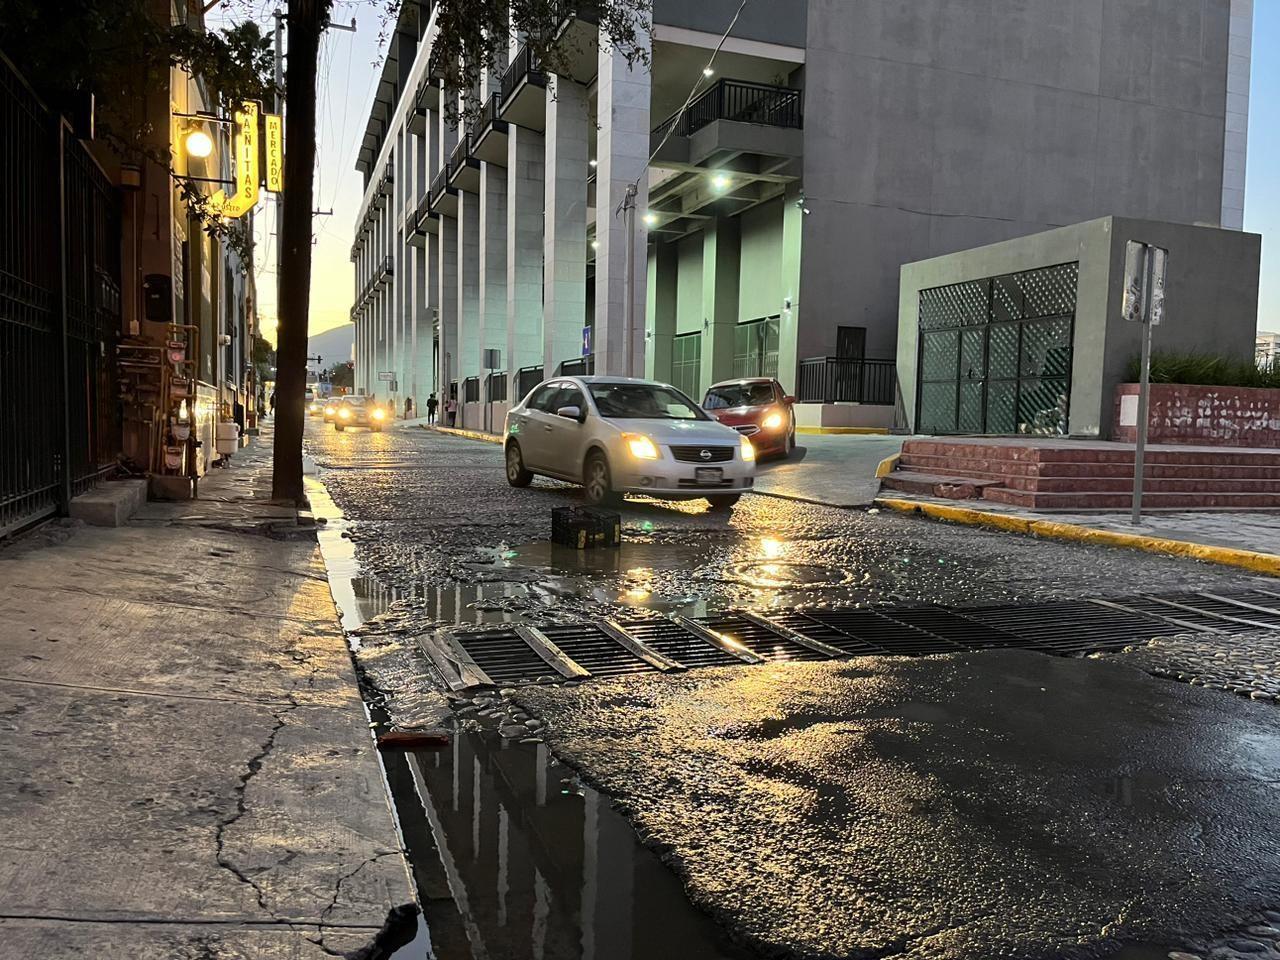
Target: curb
[(842, 431), (1011, 523), (887, 466), (465, 434)]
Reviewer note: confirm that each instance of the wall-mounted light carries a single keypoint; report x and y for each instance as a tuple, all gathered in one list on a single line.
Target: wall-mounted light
[(720, 182), (707, 71), (595, 244), (198, 144), (650, 219), (592, 163)]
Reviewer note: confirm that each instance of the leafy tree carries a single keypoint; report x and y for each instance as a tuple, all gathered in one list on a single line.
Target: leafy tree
[(341, 375)]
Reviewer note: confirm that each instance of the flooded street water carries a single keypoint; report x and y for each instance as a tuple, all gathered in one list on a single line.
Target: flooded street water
[(514, 855)]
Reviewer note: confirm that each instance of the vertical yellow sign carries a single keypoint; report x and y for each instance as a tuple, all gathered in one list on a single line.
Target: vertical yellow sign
[(246, 160), (275, 152)]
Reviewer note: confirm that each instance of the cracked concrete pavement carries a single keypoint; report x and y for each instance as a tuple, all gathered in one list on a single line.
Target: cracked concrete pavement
[(185, 763)]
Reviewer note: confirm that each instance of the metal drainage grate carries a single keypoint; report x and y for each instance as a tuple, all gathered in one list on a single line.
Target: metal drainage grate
[(606, 648)]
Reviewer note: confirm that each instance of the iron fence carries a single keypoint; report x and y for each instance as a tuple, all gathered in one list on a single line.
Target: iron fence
[(577, 367), (737, 100), (496, 387), (526, 379), (59, 311), (846, 380)]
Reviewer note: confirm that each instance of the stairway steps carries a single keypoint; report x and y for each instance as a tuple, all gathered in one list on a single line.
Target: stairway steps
[(1089, 454), (933, 485), (1117, 501), (986, 469)]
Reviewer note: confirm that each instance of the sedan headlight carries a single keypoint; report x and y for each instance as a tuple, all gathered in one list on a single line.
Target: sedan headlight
[(379, 414), (344, 413), (328, 411), (641, 447), (773, 421), (748, 451)]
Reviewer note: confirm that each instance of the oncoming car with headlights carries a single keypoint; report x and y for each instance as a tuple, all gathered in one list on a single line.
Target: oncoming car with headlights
[(756, 407), (617, 435), (331, 409), (360, 411)]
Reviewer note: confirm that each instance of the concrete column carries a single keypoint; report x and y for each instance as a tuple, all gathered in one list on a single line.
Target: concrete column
[(564, 276), (622, 154), (660, 310), (526, 158), (447, 284), (492, 308), (788, 325), (720, 254), (468, 285)]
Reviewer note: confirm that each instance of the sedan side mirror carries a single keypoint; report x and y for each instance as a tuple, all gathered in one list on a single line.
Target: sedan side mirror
[(570, 413), (789, 401)]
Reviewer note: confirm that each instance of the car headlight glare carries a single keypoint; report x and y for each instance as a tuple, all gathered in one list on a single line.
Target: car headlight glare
[(344, 413), (641, 447), (748, 450), (773, 421), (379, 414), (328, 411)]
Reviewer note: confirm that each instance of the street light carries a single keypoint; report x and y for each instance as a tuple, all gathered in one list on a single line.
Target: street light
[(199, 144)]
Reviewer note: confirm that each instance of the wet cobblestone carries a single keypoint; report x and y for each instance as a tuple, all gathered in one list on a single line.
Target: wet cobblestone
[(1244, 664)]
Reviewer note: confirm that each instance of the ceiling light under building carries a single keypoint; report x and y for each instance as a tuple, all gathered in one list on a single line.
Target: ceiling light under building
[(707, 71), (650, 219), (720, 182)]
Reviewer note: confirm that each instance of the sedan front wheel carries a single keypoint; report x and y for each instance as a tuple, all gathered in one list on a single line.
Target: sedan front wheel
[(597, 482), (517, 474)]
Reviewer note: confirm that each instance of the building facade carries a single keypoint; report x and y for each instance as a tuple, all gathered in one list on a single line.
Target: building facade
[(832, 143)]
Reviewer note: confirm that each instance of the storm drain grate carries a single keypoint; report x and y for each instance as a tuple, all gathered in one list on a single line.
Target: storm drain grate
[(675, 642), (760, 640), (523, 654), (594, 650)]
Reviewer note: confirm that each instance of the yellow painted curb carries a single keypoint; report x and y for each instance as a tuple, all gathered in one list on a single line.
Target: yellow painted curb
[(887, 466), (467, 434), (1228, 556), (834, 431)]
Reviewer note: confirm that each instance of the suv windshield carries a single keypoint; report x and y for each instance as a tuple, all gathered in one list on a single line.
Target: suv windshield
[(643, 401), (738, 395), (355, 401)]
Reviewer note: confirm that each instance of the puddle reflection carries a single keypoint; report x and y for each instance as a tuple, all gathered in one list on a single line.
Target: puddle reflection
[(539, 866)]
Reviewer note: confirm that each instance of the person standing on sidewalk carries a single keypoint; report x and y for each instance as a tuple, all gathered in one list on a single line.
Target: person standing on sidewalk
[(408, 408), (451, 408), (432, 403)]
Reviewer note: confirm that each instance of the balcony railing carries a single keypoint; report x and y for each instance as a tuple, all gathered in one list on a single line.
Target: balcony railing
[(461, 151), (847, 380), (496, 386), (526, 379), (421, 212), (741, 101), (488, 116), (438, 184), (524, 66)]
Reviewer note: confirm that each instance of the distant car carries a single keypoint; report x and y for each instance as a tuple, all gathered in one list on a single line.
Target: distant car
[(360, 411), (331, 409), (315, 405), (757, 408), (616, 435)]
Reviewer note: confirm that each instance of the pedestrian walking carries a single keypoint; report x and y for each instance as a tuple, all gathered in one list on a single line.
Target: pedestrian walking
[(451, 408), (408, 408), (432, 403), (273, 403)]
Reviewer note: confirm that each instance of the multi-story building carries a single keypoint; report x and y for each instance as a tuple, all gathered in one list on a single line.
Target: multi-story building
[(831, 143)]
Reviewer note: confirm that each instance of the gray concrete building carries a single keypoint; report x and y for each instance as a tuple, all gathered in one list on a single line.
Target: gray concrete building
[(832, 143)]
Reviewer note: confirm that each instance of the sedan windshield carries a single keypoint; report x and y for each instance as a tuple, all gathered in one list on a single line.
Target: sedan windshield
[(642, 401), (738, 395)]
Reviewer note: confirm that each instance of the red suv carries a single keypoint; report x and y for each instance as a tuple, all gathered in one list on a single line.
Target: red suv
[(757, 408)]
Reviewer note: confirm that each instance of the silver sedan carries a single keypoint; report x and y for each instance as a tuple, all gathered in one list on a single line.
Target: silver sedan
[(616, 435)]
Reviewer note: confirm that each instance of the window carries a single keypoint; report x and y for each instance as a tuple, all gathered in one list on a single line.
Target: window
[(543, 398), (755, 348), (739, 395), (637, 401), (686, 363)]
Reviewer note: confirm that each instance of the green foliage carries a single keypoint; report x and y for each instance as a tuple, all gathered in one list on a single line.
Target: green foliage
[(1206, 369), (341, 375)]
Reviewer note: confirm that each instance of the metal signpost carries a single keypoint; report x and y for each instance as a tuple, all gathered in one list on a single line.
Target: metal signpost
[(1145, 267), (492, 361)]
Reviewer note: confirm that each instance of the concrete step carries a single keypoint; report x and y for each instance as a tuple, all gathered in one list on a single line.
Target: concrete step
[(1076, 453), (1150, 483), (1118, 501), (931, 485), (974, 467)]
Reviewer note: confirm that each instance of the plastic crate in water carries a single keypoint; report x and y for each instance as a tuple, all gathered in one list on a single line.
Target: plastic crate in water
[(585, 528)]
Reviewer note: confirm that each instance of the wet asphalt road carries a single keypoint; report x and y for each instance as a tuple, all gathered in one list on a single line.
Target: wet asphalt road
[(432, 515), (991, 805)]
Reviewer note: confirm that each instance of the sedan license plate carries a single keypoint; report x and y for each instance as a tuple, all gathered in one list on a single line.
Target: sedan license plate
[(708, 474)]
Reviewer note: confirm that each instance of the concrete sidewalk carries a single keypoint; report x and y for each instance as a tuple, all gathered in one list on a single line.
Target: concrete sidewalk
[(186, 768)]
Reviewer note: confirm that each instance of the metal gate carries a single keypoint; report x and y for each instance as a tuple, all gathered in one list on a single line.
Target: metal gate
[(995, 354), (59, 310)]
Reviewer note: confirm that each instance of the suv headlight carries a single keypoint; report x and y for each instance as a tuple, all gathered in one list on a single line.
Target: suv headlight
[(772, 420), (379, 414), (345, 413), (640, 446), (748, 451)]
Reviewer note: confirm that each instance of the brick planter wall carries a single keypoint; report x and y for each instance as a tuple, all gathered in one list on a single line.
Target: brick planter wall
[(1194, 414)]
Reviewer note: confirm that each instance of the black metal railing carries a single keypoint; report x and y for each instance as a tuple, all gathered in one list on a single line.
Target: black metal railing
[(488, 115), (421, 212), (577, 367), (438, 184), (59, 311), (471, 390), (526, 379), (524, 66), (847, 380), (461, 151), (388, 268), (741, 101), (496, 386)]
